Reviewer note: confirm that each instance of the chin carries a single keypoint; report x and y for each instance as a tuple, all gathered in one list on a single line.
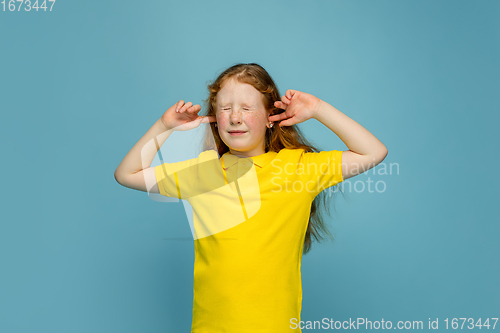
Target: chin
[(239, 147)]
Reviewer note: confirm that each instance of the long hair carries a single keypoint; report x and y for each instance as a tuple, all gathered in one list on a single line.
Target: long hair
[(276, 138)]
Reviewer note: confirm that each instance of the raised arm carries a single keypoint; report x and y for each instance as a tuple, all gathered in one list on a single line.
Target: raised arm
[(365, 150), (135, 170)]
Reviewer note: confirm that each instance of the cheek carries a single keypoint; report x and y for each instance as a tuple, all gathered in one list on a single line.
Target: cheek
[(255, 121), (222, 120)]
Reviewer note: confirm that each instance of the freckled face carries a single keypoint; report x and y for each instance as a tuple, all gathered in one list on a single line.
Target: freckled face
[(241, 118)]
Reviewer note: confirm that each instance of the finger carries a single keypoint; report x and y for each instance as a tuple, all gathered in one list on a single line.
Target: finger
[(194, 109), (185, 107), (285, 100), (290, 92), (278, 117), (178, 105), (208, 119), (288, 122), (280, 105)]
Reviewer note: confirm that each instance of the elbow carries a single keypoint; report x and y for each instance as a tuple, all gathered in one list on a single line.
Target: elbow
[(118, 177), (382, 154)]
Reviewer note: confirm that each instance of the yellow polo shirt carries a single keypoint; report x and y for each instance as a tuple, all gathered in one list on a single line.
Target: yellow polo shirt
[(250, 217)]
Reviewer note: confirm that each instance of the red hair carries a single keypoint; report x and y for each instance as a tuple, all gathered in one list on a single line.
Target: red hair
[(276, 138)]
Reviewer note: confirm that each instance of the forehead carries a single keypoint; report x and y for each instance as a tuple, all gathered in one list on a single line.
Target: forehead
[(234, 91)]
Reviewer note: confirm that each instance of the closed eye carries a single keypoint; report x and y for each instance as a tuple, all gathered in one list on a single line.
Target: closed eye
[(225, 109)]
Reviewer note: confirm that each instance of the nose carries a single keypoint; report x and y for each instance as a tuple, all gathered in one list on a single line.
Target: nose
[(235, 118)]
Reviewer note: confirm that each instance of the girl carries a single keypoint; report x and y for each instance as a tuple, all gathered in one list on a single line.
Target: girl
[(255, 194)]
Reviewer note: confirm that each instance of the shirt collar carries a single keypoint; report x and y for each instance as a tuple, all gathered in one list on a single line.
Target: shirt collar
[(260, 160)]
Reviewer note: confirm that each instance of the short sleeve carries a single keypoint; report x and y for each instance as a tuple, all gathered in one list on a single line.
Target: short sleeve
[(181, 180), (322, 170), (167, 181)]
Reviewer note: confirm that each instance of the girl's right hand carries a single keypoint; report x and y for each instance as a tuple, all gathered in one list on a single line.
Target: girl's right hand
[(184, 116)]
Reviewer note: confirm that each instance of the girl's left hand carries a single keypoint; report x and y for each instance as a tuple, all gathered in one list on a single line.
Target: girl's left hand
[(299, 107)]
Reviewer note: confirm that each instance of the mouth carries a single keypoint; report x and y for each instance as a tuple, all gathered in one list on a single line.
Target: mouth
[(237, 132)]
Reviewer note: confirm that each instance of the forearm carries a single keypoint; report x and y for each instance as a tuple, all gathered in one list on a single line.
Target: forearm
[(357, 138), (143, 152)]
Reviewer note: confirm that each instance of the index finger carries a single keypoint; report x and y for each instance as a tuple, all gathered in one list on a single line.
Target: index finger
[(208, 119), (277, 117)]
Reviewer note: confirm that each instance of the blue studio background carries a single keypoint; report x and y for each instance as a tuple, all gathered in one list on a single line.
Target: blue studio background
[(80, 85)]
